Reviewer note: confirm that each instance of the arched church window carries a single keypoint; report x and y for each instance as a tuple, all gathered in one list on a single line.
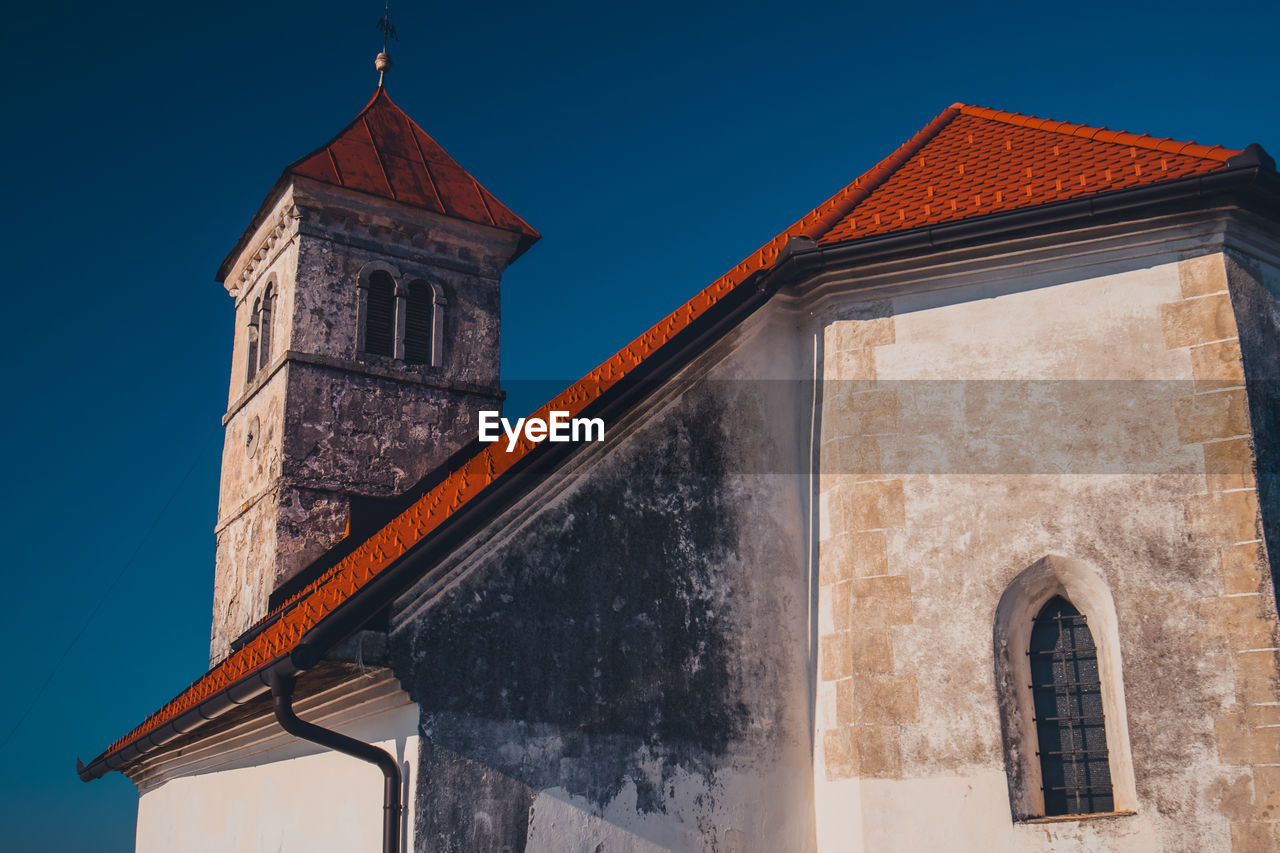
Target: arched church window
[(1060, 692), (251, 363), (380, 315), (1070, 726), (264, 326), (418, 323)]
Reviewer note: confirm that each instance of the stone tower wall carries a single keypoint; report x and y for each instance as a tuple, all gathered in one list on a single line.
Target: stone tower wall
[(323, 422)]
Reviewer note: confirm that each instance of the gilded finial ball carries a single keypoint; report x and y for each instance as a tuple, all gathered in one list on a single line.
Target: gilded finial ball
[(383, 62)]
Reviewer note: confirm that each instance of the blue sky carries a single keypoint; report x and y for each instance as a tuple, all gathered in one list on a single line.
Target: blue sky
[(652, 145)]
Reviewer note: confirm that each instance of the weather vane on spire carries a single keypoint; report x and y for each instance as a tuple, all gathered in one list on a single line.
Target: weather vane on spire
[(388, 30)]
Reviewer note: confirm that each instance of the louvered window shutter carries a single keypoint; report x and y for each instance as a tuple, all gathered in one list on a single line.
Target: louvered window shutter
[(417, 327), (380, 318)]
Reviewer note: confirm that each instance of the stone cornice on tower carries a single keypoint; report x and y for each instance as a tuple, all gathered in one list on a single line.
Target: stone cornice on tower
[(267, 238)]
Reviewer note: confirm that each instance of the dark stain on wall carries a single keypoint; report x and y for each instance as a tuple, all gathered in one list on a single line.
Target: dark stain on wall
[(603, 631)]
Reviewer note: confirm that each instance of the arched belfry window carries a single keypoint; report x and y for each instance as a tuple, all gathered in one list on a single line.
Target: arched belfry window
[(1070, 721), (399, 321), (258, 351), (419, 338), (380, 314), (264, 326), (251, 363)]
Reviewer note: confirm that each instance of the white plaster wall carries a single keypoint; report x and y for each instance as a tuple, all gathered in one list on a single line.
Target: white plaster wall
[(968, 812), (1104, 326), (994, 478), (291, 797)]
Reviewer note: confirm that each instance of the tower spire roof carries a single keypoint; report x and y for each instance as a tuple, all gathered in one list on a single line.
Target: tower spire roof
[(384, 153)]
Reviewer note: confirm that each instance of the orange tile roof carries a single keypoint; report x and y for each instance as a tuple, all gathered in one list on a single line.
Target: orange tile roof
[(973, 156), (986, 161), (384, 153)]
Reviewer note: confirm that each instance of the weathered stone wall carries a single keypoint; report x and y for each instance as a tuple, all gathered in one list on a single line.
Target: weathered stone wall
[(349, 433), (248, 504), (967, 433), (334, 422), (623, 662), (340, 236)]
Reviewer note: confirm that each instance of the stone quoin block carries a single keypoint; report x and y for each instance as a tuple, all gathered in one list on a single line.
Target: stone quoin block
[(1255, 836), (867, 412), (851, 456), (1241, 619), (1202, 276), (836, 656), (848, 371), (1257, 676), (1240, 743), (859, 334), (1197, 321), (1266, 786), (879, 700), (882, 600), (840, 753), (1241, 568), (1264, 716), (879, 751), (1204, 417), (871, 650), (1217, 365), (873, 505), (842, 605), (1227, 517), (869, 552), (1229, 464), (854, 554)]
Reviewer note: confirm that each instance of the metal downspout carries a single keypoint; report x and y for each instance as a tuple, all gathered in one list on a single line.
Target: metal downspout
[(282, 699)]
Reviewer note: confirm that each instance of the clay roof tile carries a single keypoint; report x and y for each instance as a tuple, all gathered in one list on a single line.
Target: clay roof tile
[(979, 152)]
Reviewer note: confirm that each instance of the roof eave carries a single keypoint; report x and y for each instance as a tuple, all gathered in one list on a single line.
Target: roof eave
[(1248, 185)]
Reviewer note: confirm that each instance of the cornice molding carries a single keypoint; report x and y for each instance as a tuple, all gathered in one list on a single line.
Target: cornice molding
[(252, 260), (397, 373)]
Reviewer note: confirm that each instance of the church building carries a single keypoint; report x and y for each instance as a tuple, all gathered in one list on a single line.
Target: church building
[(947, 520)]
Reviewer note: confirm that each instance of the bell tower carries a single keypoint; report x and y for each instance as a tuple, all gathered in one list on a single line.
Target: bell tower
[(366, 340)]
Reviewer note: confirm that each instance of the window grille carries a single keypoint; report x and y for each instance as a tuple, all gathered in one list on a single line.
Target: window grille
[(1070, 726), (380, 317), (417, 327)]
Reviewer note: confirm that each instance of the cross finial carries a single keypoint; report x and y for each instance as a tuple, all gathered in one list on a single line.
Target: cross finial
[(388, 30)]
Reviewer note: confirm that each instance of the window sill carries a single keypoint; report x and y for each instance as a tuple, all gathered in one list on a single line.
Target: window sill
[(1067, 818)]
